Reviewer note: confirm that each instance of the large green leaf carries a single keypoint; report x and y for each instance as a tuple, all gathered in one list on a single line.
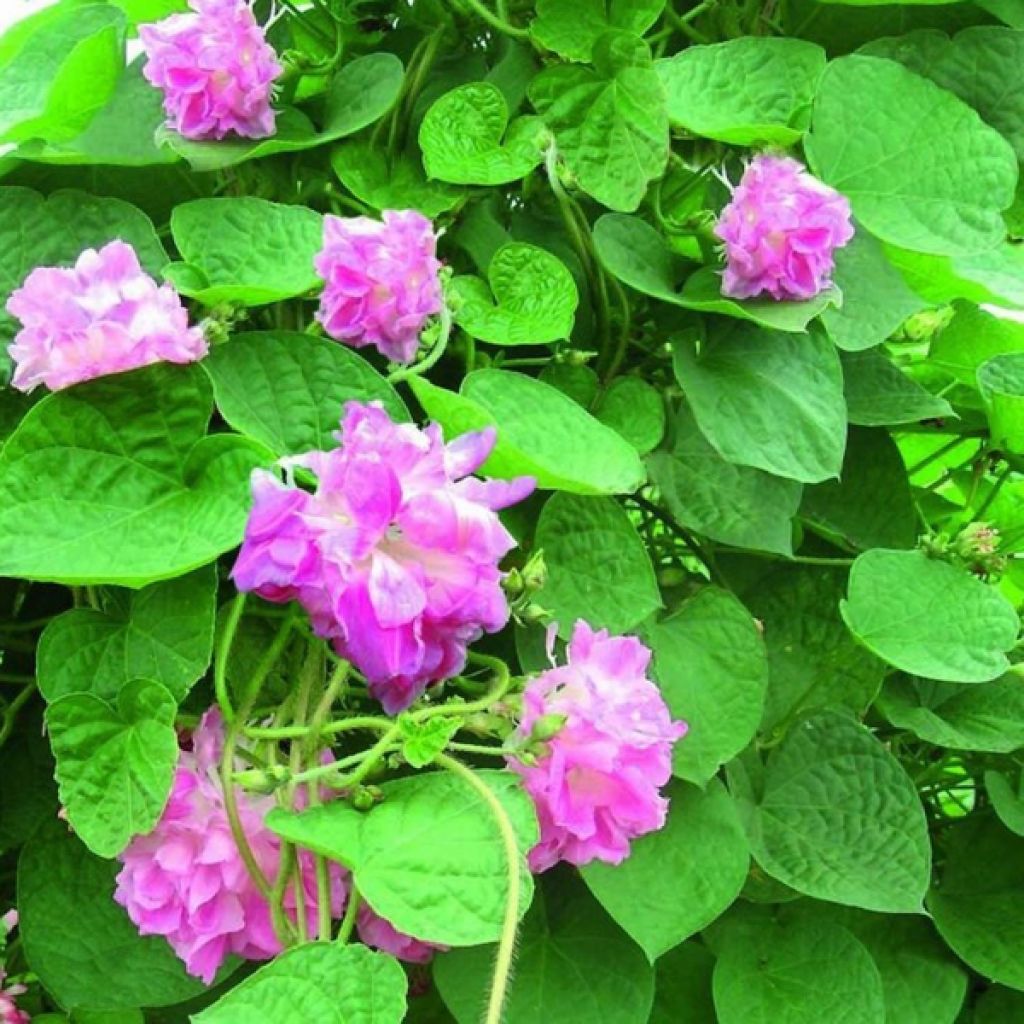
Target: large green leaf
[(115, 761), (574, 966), (998, 1005), (733, 504), (796, 971), (534, 298), (920, 168), (1006, 800), (28, 796), (598, 566), (709, 660), (683, 980), (57, 68), (113, 481), (321, 982), (609, 121), (571, 27), (988, 718), (466, 138), (74, 932), (878, 393), (769, 400), (813, 661), (429, 858), (970, 339), (245, 250), (163, 632), (991, 275), (287, 389), (361, 92), (635, 409), (1001, 383), (747, 91), (978, 903), (929, 617), (701, 852), (559, 443), (840, 820)]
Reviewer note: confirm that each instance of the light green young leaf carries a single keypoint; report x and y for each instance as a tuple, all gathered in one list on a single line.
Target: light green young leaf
[(163, 632), (929, 617), (598, 566), (115, 762), (534, 298), (920, 168), (571, 27), (635, 410), (747, 91), (992, 275), (466, 138)]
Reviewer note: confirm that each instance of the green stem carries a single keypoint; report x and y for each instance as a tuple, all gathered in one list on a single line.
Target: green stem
[(507, 943), (496, 22), (627, 325), (11, 711), (220, 669), (417, 369), (348, 922), (993, 493), (937, 454), (478, 748), (368, 761)]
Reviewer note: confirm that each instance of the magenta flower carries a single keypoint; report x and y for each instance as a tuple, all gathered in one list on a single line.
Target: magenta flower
[(597, 787), (186, 880), (380, 934), (394, 556), (104, 315), (215, 69), (381, 281), (9, 1012), (780, 230)]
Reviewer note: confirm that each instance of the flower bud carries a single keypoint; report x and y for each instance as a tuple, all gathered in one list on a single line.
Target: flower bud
[(548, 727)]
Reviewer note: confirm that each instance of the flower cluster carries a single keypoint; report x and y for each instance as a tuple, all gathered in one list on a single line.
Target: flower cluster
[(596, 787), (104, 315), (9, 1011), (215, 69), (780, 231), (394, 555), (381, 281)]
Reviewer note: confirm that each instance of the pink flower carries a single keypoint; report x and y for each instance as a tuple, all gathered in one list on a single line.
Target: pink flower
[(186, 880), (382, 935), (380, 281), (215, 68), (597, 787), (394, 555), (780, 231), (9, 1012), (104, 315)]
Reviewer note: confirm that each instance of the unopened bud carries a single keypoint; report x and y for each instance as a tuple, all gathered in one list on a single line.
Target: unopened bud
[(547, 727), (262, 780)]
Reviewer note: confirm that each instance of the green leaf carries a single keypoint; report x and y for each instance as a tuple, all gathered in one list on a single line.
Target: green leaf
[(998, 1005), (73, 931), (57, 68), (571, 27), (878, 393), (559, 443), (919, 167), (813, 661), (396, 185), (28, 797), (635, 410), (683, 983), (972, 338), (870, 505), (769, 400), (733, 504), (978, 903), (287, 390), (534, 298), (1001, 383), (774, 972), (466, 138), (598, 566), (423, 741), (114, 762), (928, 617), (992, 275), (574, 966), (361, 92), (701, 851), (609, 121), (709, 661), (636, 253), (245, 250), (163, 632), (53, 231), (747, 91), (113, 481), (429, 857), (987, 718), (852, 835), (876, 299), (1006, 801), (983, 65), (321, 982)]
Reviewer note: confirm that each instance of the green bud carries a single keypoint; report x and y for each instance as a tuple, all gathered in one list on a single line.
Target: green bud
[(363, 799), (548, 727), (260, 780)]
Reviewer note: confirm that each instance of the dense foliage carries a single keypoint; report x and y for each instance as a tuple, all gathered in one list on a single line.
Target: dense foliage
[(512, 511)]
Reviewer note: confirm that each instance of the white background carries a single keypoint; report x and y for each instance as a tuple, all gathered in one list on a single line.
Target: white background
[(14, 10)]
